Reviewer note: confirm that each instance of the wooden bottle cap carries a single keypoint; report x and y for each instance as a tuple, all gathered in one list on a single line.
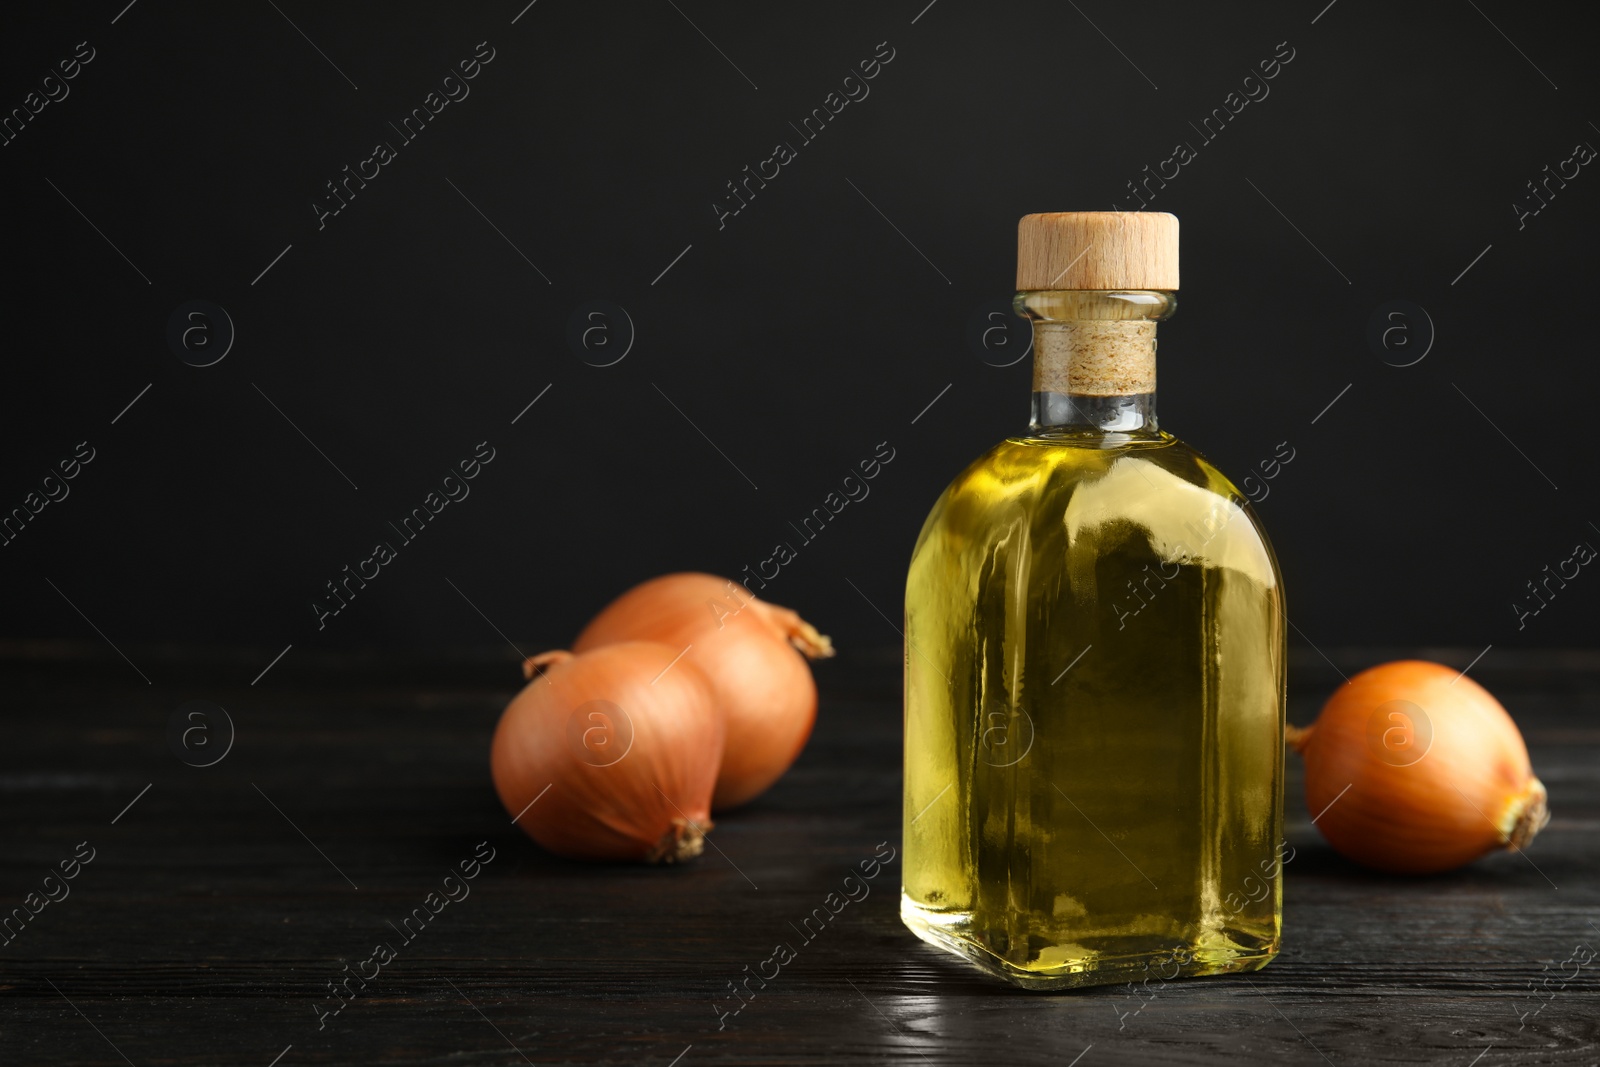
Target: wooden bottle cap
[(1097, 250)]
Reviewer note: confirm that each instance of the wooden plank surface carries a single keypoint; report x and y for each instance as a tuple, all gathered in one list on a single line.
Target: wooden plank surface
[(218, 907)]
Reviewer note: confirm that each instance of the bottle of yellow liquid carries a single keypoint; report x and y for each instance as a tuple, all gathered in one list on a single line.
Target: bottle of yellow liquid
[(1094, 662)]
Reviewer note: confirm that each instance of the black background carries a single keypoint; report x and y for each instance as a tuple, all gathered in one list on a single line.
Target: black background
[(796, 338)]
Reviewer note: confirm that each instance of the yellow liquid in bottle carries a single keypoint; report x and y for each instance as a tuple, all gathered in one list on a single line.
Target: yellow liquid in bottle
[(1094, 684)]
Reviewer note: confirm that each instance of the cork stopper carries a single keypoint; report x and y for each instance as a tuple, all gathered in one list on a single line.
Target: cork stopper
[(1097, 250), (1095, 358)]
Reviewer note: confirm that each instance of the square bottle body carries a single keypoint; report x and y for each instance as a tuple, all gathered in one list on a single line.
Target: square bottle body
[(1094, 681)]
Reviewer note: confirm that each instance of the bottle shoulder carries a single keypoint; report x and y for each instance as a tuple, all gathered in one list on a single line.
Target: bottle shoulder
[(1154, 486), (1023, 469)]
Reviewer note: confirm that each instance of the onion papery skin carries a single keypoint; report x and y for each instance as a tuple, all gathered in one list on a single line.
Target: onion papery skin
[(1445, 782), (750, 650), (648, 801)]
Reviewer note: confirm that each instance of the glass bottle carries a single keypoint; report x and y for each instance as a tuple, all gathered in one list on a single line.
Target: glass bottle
[(1094, 661)]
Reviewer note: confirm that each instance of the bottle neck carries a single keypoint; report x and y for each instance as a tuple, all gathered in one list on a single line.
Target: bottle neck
[(1094, 359)]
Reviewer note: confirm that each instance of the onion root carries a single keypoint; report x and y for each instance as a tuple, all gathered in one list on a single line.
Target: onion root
[(1526, 816), (684, 840)]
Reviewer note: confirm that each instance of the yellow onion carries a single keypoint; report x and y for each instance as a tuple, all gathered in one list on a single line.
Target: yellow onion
[(611, 755), (754, 655), (1414, 768)]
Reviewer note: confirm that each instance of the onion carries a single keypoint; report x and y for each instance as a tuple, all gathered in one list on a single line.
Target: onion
[(752, 653), (610, 755), (1415, 768)]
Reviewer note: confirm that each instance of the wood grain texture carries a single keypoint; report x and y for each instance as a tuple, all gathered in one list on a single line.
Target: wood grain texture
[(206, 928), (1097, 250)]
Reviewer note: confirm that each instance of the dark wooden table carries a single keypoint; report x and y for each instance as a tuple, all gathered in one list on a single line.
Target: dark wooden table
[(221, 901)]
